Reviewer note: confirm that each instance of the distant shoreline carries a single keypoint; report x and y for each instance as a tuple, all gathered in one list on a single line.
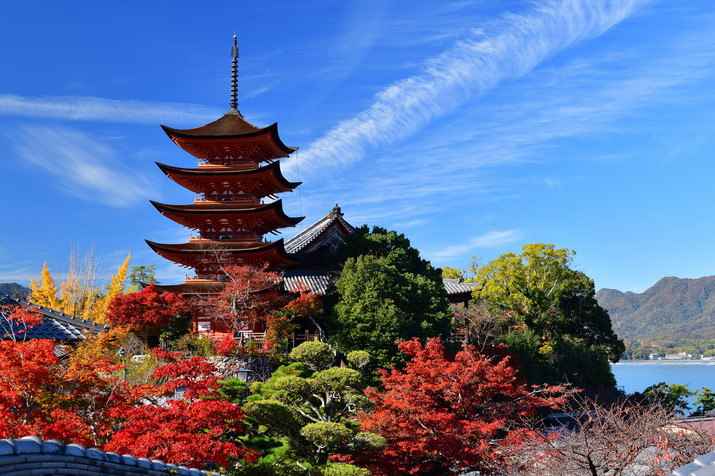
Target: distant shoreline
[(665, 362)]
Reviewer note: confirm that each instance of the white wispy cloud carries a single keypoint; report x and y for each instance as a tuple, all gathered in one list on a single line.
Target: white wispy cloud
[(88, 108), (18, 272), (511, 48), (491, 239), (85, 166), (459, 161)]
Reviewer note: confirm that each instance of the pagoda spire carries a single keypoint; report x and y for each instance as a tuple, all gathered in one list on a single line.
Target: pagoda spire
[(234, 77)]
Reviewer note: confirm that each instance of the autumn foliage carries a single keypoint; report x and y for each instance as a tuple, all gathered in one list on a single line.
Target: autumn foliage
[(617, 439), (16, 320), (281, 324), (145, 312), (183, 432), (78, 294), (26, 382), (446, 416), (190, 430), (86, 400), (80, 400), (250, 295), (226, 346)]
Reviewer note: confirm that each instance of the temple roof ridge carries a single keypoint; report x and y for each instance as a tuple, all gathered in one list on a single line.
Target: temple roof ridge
[(311, 233)]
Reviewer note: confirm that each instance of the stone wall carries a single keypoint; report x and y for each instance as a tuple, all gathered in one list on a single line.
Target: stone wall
[(30, 456)]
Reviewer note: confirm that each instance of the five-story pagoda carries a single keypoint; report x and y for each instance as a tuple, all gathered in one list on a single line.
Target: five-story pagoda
[(238, 170)]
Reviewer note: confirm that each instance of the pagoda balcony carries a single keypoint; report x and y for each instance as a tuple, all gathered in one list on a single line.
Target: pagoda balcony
[(299, 338), (200, 277), (241, 199), (238, 165)]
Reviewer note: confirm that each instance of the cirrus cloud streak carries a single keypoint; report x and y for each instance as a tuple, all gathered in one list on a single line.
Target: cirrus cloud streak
[(509, 49), (88, 108)]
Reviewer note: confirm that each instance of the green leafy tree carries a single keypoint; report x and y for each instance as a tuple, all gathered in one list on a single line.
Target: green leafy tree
[(386, 293), (451, 273), (144, 274), (673, 397), (303, 414), (558, 329), (705, 402)]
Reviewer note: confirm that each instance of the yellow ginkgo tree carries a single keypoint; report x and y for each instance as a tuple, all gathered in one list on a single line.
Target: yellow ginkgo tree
[(44, 292), (78, 294), (115, 287)]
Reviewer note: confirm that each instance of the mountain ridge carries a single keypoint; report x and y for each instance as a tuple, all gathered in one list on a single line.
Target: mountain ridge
[(12, 289), (673, 308)]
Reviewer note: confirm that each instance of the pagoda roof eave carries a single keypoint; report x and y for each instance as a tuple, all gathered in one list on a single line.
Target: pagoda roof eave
[(197, 247), (273, 252), (212, 209), (231, 123), (273, 167), (195, 135)]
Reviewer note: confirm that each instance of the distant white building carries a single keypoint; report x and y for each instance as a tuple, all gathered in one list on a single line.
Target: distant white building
[(678, 356)]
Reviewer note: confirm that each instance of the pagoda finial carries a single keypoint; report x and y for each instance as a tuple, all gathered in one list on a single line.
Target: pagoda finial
[(234, 75)]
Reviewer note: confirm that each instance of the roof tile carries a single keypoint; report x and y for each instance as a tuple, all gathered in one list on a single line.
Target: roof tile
[(55, 325)]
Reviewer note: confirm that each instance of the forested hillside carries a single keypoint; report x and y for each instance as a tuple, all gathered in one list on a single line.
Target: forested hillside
[(670, 310), (12, 288)]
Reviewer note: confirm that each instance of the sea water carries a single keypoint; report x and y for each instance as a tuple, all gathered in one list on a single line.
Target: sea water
[(636, 376)]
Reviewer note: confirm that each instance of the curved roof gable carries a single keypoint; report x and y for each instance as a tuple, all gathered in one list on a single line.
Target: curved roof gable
[(230, 124), (318, 229)]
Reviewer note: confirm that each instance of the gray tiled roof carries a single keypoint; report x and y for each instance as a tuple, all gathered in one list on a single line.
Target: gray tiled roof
[(307, 236), (55, 325), (31, 456), (456, 286), (322, 282), (319, 282)]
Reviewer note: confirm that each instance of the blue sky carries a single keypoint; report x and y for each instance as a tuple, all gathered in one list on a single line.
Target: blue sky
[(473, 127)]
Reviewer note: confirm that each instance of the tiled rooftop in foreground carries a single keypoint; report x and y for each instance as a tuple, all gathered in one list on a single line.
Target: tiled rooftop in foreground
[(32, 456)]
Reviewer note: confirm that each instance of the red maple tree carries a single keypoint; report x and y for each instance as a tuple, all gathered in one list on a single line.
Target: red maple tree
[(77, 400), (190, 429), (86, 400), (90, 397), (26, 383), (305, 307), (146, 312), (226, 346), (183, 432), (447, 416), (249, 296)]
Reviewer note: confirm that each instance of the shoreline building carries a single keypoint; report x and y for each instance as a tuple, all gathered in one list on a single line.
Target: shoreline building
[(236, 182)]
